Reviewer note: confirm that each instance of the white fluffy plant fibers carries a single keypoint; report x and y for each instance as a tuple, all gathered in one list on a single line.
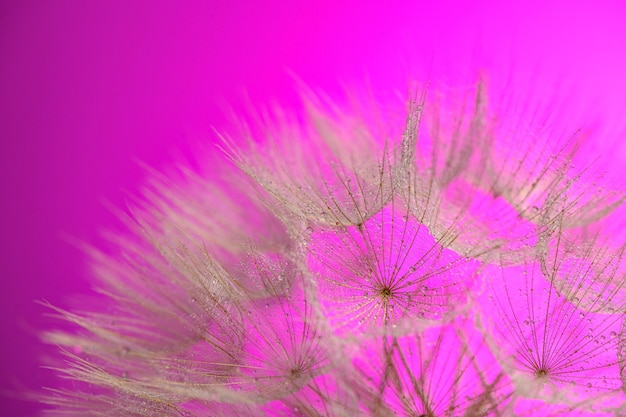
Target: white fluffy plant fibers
[(340, 264)]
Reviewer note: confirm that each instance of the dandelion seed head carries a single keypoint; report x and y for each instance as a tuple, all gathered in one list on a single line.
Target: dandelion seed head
[(335, 266)]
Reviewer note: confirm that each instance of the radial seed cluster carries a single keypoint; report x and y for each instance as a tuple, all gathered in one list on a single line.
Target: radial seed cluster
[(338, 264)]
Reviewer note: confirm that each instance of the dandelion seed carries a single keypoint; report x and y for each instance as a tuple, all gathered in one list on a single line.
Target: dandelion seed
[(384, 271), (565, 352), (335, 173), (441, 371), (487, 192)]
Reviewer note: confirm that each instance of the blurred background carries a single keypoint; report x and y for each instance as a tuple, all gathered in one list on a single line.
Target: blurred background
[(88, 88)]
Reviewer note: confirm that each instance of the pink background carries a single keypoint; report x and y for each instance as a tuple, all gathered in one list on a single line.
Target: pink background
[(87, 88)]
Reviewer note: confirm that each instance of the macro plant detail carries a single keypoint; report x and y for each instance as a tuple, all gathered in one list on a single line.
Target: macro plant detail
[(444, 370), (337, 263)]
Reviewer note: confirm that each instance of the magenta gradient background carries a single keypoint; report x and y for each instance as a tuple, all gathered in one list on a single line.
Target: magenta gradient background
[(87, 88)]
